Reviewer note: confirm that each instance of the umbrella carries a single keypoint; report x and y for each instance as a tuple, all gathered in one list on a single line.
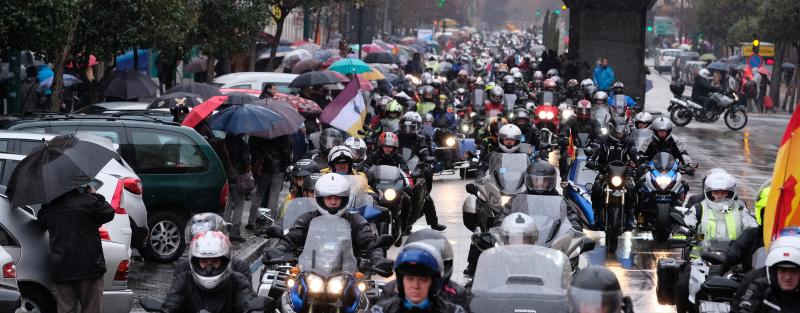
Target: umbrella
[(330, 61), (199, 64), (381, 57), (129, 85), (302, 105), (708, 57), (314, 79), (242, 119), (305, 66), (240, 98), (373, 75), (205, 91), (372, 48), (322, 55), (62, 164), (175, 100), (290, 121), (350, 66), (295, 56), (718, 66), (364, 83), (203, 110), (338, 75), (787, 66), (763, 71), (69, 80)]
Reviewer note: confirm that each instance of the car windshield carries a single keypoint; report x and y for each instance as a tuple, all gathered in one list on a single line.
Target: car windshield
[(329, 247)]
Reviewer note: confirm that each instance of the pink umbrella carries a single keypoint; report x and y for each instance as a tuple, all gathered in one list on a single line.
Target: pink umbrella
[(371, 48)]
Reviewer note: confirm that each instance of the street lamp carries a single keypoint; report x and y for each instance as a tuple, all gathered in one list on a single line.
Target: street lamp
[(359, 7)]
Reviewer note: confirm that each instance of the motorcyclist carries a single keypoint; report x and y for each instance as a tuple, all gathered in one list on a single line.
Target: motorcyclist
[(380, 109), (495, 104), (359, 149), (489, 142), (618, 88), (642, 120), (509, 84), (201, 223), (573, 92), (510, 139), (419, 269), (720, 216), (780, 289), (443, 117), (695, 199), (600, 98), (428, 101), (387, 154), (298, 173), (451, 291), (459, 82), (663, 141), (329, 138), (211, 284), (615, 148), (595, 289), (341, 162), (538, 81), (530, 134), (583, 123), (702, 89), (391, 119)]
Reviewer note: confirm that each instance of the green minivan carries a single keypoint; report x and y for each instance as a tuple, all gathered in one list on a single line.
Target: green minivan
[(180, 172)]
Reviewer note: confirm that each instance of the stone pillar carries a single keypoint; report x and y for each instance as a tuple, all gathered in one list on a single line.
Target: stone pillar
[(614, 29)]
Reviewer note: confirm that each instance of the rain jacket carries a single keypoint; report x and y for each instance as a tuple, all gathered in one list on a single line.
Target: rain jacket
[(425, 107), (185, 296), (451, 292), (603, 77), (362, 234), (765, 297), (628, 100)]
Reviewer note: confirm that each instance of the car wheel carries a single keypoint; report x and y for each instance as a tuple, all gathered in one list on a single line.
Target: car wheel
[(165, 242), (36, 300)]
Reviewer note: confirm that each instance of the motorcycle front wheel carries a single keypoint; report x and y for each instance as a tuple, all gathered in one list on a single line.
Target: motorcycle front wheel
[(681, 116), (613, 227), (736, 119)]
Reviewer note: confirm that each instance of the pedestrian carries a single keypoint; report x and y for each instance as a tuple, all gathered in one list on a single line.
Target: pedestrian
[(271, 157), (30, 96), (240, 182), (763, 88), (76, 257), (269, 91), (603, 75), (414, 67)]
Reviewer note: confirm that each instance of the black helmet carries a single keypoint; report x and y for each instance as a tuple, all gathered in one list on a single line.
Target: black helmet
[(540, 177), (439, 241), (427, 93), (330, 137), (310, 182), (595, 289), (521, 117), (301, 169)]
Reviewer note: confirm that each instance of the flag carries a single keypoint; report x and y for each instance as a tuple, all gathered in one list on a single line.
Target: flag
[(348, 111), (784, 196)]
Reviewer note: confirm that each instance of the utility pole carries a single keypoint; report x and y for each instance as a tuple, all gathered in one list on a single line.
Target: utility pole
[(306, 22), (683, 27), (360, 9)]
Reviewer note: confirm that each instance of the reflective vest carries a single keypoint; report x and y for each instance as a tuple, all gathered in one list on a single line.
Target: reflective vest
[(718, 226)]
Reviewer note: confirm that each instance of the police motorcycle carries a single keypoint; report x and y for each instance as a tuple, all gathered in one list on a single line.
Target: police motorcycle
[(504, 179), (727, 104), (661, 189), (709, 292), (580, 179)]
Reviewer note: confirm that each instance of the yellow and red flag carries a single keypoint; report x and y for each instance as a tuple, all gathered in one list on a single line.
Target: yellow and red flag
[(784, 196)]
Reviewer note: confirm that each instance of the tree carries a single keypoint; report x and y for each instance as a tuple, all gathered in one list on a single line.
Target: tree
[(278, 11), (779, 24), (715, 17)]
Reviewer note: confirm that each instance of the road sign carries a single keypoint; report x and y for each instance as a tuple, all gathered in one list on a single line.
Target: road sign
[(755, 61), (663, 25)]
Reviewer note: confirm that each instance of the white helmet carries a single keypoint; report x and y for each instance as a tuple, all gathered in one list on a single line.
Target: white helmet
[(509, 131), (514, 70), (203, 222), (358, 147), (340, 155), (210, 245), (784, 252), (412, 116), (661, 123), (586, 83), (332, 184), (704, 73), (518, 229), (643, 117), (720, 182)]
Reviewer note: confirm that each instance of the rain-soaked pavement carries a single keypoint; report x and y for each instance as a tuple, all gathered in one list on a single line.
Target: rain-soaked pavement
[(748, 154)]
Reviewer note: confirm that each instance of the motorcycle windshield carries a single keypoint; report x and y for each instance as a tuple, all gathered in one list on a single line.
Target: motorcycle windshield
[(510, 99), (663, 162), (294, 208), (620, 103), (385, 176), (478, 97), (639, 137), (410, 157), (329, 248), (545, 211), (548, 98), (508, 170), (617, 168), (601, 114), (582, 140)]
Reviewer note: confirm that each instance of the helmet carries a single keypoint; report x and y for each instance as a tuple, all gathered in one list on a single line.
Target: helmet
[(329, 185), (552, 72), (428, 118), (436, 84), (704, 73), (514, 70), (419, 259), (518, 76), (537, 75), (584, 109), (210, 245), (784, 252), (589, 91), (572, 84), (510, 131), (496, 94), (358, 147), (521, 117), (556, 79), (662, 123), (304, 167), (427, 93), (643, 117), (720, 182), (439, 241), (382, 103), (341, 155), (388, 139), (540, 177), (330, 137), (595, 289), (310, 183), (761, 200), (509, 81), (518, 229), (586, 83), (619, 128), (203, 222), (549, 84), (394, 109), (462, 74), (600, 97), (618, 88)]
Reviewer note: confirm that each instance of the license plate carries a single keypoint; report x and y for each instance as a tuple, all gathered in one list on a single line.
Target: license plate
[(663, 198), (714, 307)]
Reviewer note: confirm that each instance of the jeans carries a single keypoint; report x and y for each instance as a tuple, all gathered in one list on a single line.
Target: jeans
[(233, 209), (268, 191), (86, 293)]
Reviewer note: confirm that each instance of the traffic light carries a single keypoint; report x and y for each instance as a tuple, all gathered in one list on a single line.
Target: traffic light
[(538, 12), (557, 11), (564, 7), (440, 3), (649, 28), (756, 45)]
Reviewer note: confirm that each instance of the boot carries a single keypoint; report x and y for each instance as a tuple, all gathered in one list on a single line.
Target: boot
[(235, 234), (430, 215)]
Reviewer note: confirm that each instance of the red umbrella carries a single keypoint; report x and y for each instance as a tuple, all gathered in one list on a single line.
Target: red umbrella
[(338, 75), (302, 105), (329, 62), (203, 110), (364, 82)]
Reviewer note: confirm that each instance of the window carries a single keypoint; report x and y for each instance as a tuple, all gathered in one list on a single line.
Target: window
[(6, 171), (6, 240), (157, 151), (112, 133), (5, 145), (27, 146)]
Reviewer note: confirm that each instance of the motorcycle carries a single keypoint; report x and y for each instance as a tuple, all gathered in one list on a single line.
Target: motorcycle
[(662, 189), (727, 104), (390, 184), (449, 151), (580, 179), (487, 196), (615, 188), (259, 305), (546, 115)]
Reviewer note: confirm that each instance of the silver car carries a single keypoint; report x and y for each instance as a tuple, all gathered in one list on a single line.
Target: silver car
[(9, 291), (664, 60), (255, 80)]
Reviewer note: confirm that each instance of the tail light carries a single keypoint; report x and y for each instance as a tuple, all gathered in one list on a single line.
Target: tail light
[(9, 270), (223, 196), (116, 200), (104, 233), (133, 185), (122, 271)]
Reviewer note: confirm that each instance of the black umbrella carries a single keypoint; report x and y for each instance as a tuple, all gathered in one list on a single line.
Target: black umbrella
[(205, 91), (236, 98), (381, 57), (314, 79), (718, 66), (129, 85), (175, 100), (60, 165)]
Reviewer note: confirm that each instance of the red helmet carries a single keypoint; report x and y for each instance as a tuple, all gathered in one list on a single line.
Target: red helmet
[(388, 139), (549, 84), (584, 109)]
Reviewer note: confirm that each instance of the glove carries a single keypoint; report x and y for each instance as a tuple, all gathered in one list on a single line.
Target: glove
[(689, 171), (591, 164), (384, 267)]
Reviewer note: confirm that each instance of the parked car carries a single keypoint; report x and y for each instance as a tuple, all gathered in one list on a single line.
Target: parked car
[(29, 246), (664, 59), (255, 80), (679, 65), (112, 107), (180, 172), (9, 291)]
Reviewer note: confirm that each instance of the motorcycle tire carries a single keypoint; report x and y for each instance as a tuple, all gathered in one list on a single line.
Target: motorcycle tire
[(613, 228), (681, 116), (663, 223), (736, 119)]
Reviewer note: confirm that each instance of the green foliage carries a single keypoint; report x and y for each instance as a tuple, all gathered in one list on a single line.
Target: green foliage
[(39, 26), (224, 25), (715, 17), (779, 20)]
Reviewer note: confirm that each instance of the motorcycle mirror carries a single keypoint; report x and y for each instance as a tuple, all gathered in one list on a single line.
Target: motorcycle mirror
[(678, 219), (589, 186), (713, 258), (588, 245), (150, 304), (472, 189)]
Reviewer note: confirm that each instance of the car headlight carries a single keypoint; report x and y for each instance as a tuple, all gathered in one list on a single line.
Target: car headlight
[(567, 114), (335, 285), (450, 141), (663, 181), (315, 283), (604, 130), (504, 199), (616, 181), (542, 115), (390, 194), (550, 115)]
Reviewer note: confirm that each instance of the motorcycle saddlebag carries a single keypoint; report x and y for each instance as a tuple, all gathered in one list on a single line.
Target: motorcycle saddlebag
[(677, 88), (720, 287), (667, 275)]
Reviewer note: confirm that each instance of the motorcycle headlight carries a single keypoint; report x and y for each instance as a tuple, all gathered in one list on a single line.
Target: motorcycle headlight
[(504, 199), (567, 114), (335, 285), (290, 282), (473, 114), (616, 181), (362, 286), (390, 194), (604, 130), (663, 181), (550, 115), (465, 128), (315, 283), (542, 115), (450, 141)]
